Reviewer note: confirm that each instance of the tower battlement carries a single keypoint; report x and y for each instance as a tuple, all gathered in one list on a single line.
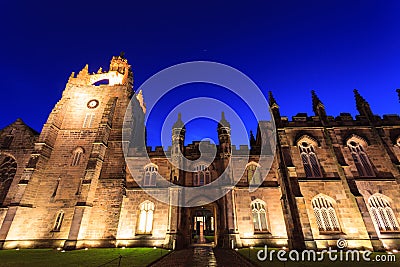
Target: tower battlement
[(120, 73)]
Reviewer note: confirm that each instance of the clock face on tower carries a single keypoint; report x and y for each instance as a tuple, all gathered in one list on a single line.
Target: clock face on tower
[(93, 103)]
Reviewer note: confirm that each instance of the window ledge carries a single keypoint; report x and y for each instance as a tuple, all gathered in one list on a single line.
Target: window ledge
[(330, 232), (261, 233)]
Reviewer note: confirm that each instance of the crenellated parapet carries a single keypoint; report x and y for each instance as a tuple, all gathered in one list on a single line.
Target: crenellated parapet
[(321, 119), (120, 73)]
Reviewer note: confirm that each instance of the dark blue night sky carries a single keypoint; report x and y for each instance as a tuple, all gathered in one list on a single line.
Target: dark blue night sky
[(288, 47)]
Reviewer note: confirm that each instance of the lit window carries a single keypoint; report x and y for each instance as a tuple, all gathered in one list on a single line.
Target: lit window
[(87, 123), (325, 214), (58, 221), (145, 225), (259, 216), (150, 175), (310, 160), (8, 168), (382, 214), (253, 173), (201, 176), (76, 156), (360, 158)]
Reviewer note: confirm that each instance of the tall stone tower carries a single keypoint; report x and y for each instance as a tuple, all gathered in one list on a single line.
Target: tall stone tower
[(224, 137), (177, 150), (73, 185)]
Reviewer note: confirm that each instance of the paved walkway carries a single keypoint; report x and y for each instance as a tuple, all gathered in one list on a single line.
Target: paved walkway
[(203, 256)]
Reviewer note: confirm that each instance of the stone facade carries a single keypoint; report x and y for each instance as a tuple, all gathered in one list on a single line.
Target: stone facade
[(70, 185)]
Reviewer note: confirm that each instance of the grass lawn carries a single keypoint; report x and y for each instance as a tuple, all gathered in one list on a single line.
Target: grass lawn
[(326, 263), (92, 257)]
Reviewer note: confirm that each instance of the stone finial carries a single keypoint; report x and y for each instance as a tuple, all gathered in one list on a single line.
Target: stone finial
[(360, 101), (179, 123), (274, 108), (223, 122), (316, 102), (86, 68), (84, 71), (100, 70), (252, 139), (362, 106), (271, 100)]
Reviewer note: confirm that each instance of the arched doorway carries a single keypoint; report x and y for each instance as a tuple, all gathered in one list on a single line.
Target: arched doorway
[(204, 226)]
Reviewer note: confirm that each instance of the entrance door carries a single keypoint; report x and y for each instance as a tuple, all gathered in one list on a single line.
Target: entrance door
[(203, 226)]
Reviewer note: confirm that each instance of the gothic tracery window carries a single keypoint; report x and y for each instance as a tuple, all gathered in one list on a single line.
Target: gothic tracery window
[(382, 214), (8, 168), (325, 214), (310, 160), (76, 156), (259, 215), (201, 176), (361, 160), (150, 175), (146, 215)]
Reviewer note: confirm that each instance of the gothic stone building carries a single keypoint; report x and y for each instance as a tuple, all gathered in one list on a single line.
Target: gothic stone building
[(69, 186)]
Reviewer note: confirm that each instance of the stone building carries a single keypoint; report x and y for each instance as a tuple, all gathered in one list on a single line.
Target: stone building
[(69, 186)]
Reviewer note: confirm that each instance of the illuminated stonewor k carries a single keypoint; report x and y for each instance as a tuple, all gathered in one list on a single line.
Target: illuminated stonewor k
[(71, 186)]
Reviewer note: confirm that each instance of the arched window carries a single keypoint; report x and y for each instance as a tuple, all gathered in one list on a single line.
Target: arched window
[(150, 175), (382, 214), (325, 214), (259, 214), (58, 221), (8, 168), (145, 225), (76, 156), (310, 160), (253, 173), (360, 158), (87, 123), (201, 176)]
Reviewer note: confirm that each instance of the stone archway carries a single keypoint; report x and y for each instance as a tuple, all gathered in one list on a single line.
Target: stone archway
[(201, 225)]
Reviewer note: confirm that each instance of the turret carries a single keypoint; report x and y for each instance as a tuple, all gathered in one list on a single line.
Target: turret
[(224, 137), (178, 140)]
